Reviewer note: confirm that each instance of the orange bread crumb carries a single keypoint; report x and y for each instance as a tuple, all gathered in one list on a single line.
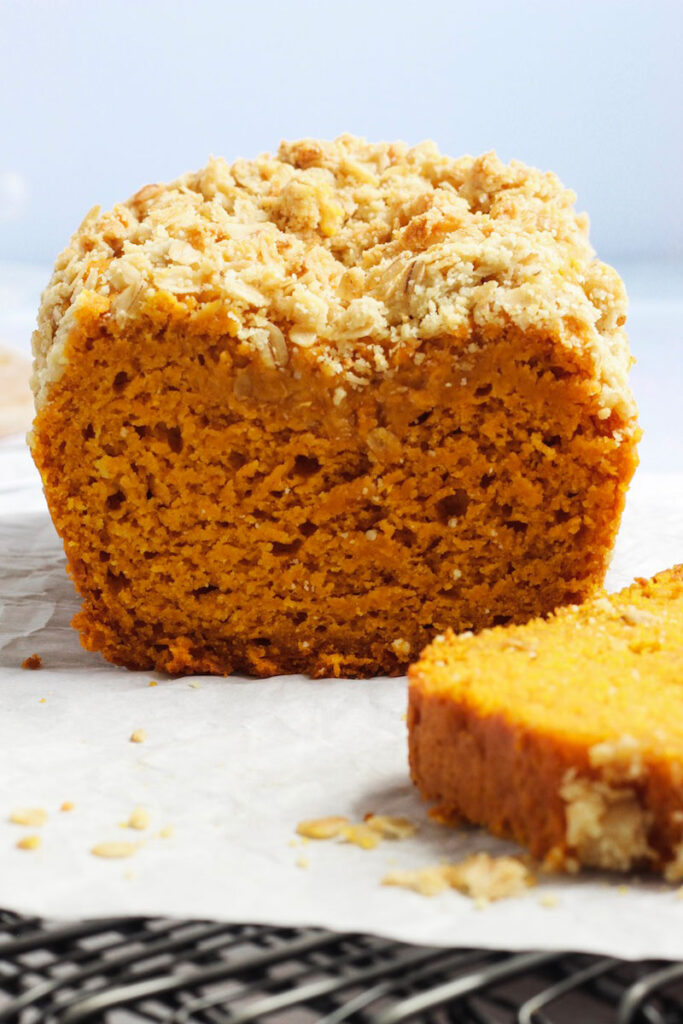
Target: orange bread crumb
[(565, 734), (304, 412)]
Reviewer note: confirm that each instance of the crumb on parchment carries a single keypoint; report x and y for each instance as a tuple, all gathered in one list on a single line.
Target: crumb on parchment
[(361, 835), (114, 850), (34, 661), (139, 819), (481, 877), (390, 827), (31, 816), (366, 834), (138, 736), (29, 843), (322, 828), (67, 805), (427, 881)]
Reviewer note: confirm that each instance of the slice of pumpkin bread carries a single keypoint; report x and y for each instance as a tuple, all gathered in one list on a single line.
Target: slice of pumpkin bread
[(565, 734), (302, 413)]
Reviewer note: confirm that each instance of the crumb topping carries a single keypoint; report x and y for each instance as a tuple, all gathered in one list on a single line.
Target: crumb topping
[(607, 826), (357, 252), (619, 760)]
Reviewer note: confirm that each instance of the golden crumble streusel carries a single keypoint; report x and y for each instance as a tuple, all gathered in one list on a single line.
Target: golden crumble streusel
[(359, 248)]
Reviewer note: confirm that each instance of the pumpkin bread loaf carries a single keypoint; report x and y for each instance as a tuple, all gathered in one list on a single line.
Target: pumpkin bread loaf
[(565, 734), (304, 412)]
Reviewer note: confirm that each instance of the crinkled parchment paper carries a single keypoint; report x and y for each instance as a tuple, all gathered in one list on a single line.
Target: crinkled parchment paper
[(232, 765)]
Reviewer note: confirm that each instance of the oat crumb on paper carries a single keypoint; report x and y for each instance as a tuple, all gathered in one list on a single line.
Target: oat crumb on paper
[(32, 816), (481, 877), (390, 827), (302, 862), (67, 805), (138, 736), (29, 843), (484, 877), (114, 850), (366, 834), (152, 682), (548, 900), (166, 832), (361, 835), (322, 828), (426, 881), (139, 819), (33, 661), (43, 700)]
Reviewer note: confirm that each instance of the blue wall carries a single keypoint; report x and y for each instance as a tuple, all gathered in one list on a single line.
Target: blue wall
[(98, 98)]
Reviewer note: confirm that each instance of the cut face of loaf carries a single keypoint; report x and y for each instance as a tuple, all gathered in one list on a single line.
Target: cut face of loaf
[(238, 493), (222, 515), (564, 734)]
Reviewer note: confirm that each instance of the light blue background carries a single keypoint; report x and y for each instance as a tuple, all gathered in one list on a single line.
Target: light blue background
[(98, 98)]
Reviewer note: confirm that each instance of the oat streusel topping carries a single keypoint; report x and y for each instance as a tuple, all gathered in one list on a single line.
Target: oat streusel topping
[(356, 251)]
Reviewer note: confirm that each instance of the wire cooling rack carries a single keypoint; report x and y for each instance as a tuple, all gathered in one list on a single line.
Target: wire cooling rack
[(135, 970)]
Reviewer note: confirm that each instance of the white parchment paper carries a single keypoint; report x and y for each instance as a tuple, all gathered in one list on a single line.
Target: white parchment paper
[(232, 765)]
